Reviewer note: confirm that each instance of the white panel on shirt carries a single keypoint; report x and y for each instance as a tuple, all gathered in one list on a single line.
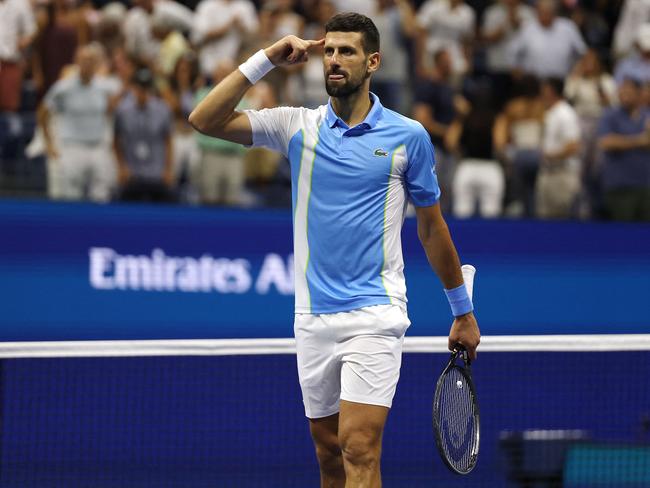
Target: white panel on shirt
[(273, 128), (395, 211)]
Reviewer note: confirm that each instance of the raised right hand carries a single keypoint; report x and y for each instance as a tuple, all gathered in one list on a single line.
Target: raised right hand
[(291, 50)]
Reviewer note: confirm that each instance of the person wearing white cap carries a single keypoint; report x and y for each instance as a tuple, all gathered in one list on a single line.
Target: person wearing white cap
[(637, 65)]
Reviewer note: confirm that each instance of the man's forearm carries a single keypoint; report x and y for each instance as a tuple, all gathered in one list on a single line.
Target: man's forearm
[(441, 253), (619, 142), (216, 109)]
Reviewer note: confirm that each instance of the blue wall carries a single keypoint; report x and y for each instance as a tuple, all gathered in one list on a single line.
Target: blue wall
[(238, 421), (533, 278)]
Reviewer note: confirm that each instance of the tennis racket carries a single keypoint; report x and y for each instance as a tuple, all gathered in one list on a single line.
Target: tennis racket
[(455, 407)]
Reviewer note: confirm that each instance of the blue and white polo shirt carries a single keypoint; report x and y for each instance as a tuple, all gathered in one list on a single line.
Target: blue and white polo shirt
[(350, 188)]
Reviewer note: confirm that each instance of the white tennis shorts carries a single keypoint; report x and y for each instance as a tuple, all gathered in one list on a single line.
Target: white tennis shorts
[(353, 356)]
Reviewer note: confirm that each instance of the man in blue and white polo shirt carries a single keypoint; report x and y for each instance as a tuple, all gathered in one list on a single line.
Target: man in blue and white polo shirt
[(354, 166)]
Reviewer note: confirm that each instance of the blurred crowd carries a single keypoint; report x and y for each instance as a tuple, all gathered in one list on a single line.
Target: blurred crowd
[(537, 109)]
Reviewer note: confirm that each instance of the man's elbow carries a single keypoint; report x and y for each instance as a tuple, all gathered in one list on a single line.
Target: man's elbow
[(197, 122)]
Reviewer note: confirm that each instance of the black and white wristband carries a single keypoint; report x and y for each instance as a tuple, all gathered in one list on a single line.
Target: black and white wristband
[(256, 67)]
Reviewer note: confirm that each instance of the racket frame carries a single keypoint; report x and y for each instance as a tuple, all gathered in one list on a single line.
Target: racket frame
[(466, 372)]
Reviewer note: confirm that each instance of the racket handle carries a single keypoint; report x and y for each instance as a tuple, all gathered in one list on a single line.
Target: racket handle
[(468, 276)]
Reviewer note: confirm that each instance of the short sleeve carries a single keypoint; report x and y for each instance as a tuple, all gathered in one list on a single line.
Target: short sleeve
[(271, 127), (420, 175)]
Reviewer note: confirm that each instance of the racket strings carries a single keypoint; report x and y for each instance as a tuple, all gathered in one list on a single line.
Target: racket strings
[(457, 417)]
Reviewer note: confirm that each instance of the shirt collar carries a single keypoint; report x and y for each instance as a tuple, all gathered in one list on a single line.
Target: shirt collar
[(369, 122)]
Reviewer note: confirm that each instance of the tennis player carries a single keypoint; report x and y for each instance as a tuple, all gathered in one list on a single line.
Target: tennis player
[(354, 166)]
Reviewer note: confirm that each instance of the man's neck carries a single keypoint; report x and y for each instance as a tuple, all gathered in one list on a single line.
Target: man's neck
[(354, 108)]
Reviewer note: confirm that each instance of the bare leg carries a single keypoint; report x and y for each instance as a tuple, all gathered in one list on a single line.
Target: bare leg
[(360, 432), (324, 432)]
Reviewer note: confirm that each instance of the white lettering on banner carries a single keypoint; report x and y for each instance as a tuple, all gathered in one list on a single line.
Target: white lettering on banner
[(160, 272), (274, 272)]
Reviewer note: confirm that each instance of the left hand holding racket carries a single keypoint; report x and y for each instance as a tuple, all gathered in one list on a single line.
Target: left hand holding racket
[(464, 331)]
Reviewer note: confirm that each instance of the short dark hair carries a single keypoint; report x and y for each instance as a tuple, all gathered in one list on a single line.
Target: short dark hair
[(353, 22)]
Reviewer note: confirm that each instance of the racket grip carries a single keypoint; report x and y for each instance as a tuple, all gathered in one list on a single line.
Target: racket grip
[(468, 276)]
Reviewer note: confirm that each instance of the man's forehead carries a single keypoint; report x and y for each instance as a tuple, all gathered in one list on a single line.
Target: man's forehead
[(338, 38)]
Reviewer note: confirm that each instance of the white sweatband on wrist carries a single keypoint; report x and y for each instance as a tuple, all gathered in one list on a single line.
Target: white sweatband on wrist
[(256, 67)]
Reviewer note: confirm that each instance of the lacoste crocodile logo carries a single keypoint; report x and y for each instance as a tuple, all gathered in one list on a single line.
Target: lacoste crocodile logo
[(380, 153)]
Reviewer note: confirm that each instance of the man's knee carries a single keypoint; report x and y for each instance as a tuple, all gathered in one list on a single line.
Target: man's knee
[(361, 448), (329, 457)]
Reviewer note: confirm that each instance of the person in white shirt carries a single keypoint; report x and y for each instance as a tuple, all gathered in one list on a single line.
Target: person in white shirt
[(449, 25), (502, 22), (81, 103), (590, 90), (558, 179), (549, 46), (17, 32), (220, 28), (138, 38), (395, 21), (634, 14)]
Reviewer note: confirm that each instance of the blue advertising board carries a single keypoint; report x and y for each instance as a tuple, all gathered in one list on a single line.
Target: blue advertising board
[(82, 271)]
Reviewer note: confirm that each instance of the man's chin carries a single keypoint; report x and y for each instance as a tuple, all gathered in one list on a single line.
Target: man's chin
[(340, 90)]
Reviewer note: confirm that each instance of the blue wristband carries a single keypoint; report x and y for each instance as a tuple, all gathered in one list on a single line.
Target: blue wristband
[(459, 300)]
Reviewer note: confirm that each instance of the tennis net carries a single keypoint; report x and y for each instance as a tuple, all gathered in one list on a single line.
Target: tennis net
[(569, 411)]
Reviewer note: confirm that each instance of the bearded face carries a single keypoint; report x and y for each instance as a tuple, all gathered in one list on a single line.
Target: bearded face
[(345, 63)]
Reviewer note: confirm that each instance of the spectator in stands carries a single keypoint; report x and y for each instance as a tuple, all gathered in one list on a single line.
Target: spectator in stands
[(436, 105), (17, 32), (278, 19), (220, 29), (221, 170), (365, 7), (138, 37), (314, 93), (479, 178), (634, 14), (81, 103), (637, 64), (143, 143), (107, 30), (518, 140), (590, 90), (624, 137), (548, 46), (179, 94), (593, 26), (558, 179), (395, 21), (449, 25), (62, 28), (173, 45), (501, 24)]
